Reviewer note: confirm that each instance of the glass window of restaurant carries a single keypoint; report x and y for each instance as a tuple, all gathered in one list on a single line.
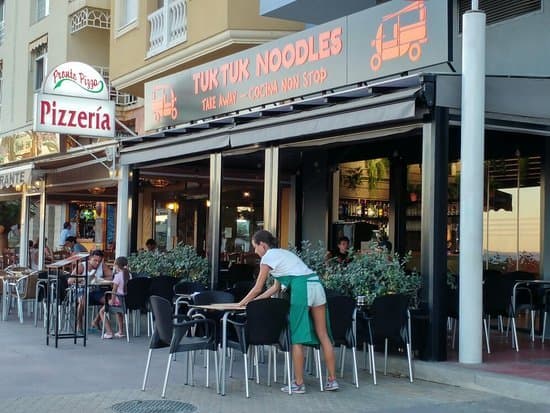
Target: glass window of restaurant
[(174, 201), (511, 214), (511, 218), (10, 217), (242, 208)]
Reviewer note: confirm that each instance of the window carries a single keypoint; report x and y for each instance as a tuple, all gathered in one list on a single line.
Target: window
[(1, 77), (128, 12), (499, 10), (42, 9), (40, 67)]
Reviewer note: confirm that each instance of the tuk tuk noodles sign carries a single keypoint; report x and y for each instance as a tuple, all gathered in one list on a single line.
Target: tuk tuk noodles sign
[(74, 100), (391, 38)]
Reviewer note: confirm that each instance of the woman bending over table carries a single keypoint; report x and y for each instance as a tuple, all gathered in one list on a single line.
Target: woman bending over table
[(307, 301)]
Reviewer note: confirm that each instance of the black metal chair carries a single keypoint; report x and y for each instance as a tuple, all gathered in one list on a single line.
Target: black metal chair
[(389, 323), (341, 311), (498, 302), (136, 300), (255, 331), (162, 286), (175, 331), (184, 291)]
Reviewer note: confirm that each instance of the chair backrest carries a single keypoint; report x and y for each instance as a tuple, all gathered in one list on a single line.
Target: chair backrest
[(266, 320), (240, 272), (452, 302), (137, 292), (188, 287), (497, 295), (28, 286), (389, 317), (163, 286), (240, 289), (340, 310), (213, 296), (162, 311)]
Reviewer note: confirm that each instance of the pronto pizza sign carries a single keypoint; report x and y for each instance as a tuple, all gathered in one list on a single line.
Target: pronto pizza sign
[(388, 39), (74, 100)]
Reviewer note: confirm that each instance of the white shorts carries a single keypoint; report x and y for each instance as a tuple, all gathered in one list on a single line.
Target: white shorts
[(315, 294)]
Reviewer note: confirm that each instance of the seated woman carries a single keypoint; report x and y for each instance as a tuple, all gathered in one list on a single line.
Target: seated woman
[(96, 269), (120, 282)]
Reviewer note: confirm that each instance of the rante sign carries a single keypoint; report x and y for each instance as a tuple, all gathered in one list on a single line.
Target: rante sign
[(380, 41), (74, 100)]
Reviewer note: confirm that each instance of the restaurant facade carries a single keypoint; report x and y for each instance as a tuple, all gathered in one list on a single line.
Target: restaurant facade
[(351, 127)]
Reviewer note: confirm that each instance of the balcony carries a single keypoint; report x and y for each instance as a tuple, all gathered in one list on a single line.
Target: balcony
[(121, 99), (88, 17), (168, 26)]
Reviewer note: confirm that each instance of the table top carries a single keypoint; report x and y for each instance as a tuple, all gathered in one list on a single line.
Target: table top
[(68, 260), (95, 281), (220, 307)]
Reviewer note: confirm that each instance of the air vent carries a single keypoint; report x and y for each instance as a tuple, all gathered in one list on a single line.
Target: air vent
[(499, 10)]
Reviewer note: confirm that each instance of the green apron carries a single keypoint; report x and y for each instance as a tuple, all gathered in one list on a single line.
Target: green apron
[(302, 329)]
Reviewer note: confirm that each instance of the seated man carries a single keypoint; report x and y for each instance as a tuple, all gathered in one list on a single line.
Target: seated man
[(96, 269), (74, 246)]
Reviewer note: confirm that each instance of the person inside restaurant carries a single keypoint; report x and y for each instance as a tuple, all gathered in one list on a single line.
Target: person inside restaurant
[(74, 246), (341, 254), (151, 245), (97, 270)]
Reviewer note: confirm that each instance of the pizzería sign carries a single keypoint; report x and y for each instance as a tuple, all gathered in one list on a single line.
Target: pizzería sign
[(74, 100)]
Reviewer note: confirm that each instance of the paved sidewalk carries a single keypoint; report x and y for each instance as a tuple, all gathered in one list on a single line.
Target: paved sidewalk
[(73, 378)]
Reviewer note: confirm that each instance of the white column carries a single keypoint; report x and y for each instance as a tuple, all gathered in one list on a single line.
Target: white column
[(24, 230), (123, 212), (271, 188), (42, 226), (471, 188)]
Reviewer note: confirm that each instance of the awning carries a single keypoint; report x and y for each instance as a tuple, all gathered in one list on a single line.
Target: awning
[(79, 169), (14, 176), (392, 107), (42, 40), (172, 147)]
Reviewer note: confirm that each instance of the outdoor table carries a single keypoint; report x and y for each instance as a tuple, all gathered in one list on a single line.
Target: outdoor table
[(54, 273), (227, 309), (527, 284)]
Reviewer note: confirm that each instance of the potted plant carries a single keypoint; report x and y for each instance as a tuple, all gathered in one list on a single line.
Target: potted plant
[(370, 275), (182, 262)]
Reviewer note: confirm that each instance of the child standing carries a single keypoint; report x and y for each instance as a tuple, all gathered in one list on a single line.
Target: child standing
[(120, 281)]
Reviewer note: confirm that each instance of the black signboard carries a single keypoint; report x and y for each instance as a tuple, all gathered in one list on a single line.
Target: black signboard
[(391, 38)]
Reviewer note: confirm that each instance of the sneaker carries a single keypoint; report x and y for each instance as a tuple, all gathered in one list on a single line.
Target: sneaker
[(107, 336), (331, 385), (295, 388)]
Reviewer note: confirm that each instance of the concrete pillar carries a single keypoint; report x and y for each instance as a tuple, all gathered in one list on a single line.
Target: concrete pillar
[(271, 188), (433, 264), (122, 213), (213, 234), (471, 188)]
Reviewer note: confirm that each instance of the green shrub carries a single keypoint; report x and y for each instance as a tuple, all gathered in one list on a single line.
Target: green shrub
[(182, 261)]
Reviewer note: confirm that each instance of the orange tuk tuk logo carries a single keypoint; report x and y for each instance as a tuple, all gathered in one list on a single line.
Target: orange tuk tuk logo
[(400, 33), (164, 102)]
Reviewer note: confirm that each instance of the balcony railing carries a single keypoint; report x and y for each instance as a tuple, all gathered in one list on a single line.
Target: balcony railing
[(121, 99), (2, 33), (168, 26)]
